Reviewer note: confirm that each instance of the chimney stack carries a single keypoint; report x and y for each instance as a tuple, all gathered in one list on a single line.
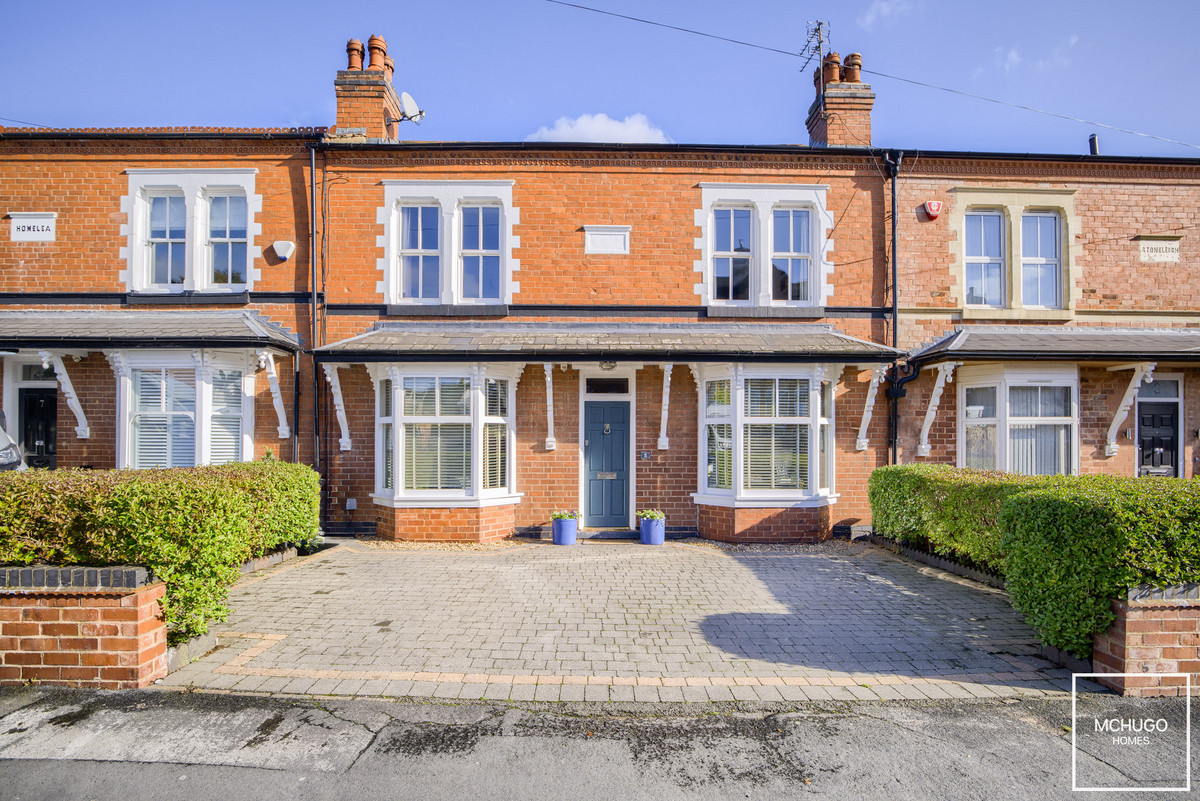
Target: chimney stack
[(367, 105), (841, 114)]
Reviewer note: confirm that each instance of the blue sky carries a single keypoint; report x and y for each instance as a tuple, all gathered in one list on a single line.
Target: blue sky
[(503, 70)]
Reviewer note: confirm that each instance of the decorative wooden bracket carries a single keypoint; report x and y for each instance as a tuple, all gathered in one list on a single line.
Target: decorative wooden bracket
[(266, 360), (663, 442), (551, 443), (877, 372), (82, 430), (1142, 372), (339, 405), (945, 374)]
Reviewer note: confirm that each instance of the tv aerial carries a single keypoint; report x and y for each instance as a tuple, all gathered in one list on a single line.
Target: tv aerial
[(409, 109)]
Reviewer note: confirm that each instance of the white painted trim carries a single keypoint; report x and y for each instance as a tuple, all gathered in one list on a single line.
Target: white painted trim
[(877, 372), (663, 442), (82, 431), (266, 360), (1143, 372), (168, 171), (625, 370), (449, 196), (447, 503), (1137, 418), (764, 199), (11, 395), (606, 240), (196, 186), (945, 373), (339, 404), (730, 502), (551, 442)]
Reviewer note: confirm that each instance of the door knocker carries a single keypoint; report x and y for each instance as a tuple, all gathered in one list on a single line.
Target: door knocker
[(607, 429)]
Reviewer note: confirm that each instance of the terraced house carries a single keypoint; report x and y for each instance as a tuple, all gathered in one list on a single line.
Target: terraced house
[(466, 336)]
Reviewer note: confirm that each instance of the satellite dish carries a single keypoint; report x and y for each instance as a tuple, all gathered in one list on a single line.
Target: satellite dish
[(409, 109)]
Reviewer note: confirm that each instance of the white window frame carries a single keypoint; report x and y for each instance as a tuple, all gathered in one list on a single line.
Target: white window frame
[(740, 496), (628, 371), (197, 186), (1002, 259), (1057, 261), (204, 362), (421, 253), (450, 197), (763, 200), (475, 495), (791, 255), (1004, 378), (210, 194)]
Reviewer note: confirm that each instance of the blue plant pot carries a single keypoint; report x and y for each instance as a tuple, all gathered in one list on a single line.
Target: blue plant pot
[(654, 532), (564, 531)]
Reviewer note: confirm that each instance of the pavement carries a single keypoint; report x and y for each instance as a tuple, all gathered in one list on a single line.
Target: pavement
[(82, 744), (621, 623)]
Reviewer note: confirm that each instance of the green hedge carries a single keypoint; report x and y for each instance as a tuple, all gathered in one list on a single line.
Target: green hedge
[(1073, 547), (193, 527), (952, 511)]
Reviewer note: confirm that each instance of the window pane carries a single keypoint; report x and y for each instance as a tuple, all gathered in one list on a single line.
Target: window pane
[(420, 396), (227, 392), (793, 397), (454, 396), (162, 262), (993, 286), (176, 219), (470, 237), (776, 456), (1048, 236), (980, 447), (1039, 450), (719, 472), (1023, 401), (225, 437), (237, 263), (780, 280), (1031, 285), (491, 228), (800, 232), (150, 447), (740, 289), (220, 257), (800, 279), (491, 277), (181, 391), (437, 456), (721, 278), (781, 223), (607, 386), (991, 236), (495, 456), (389, 457), (1029, 237), (412, 276), (760, 397), (410, 238), (147, 390), (158, 217), (980, 402), (1049, 285), (385, 398), (741, 230), (237, 217), (718, 402), (455, 456), (429, 227), (429, 276), (825, 443), (1056, 401), (470, 276), (182, 442), (497, 398), (721, 230), (1160, 388), (218, 217)]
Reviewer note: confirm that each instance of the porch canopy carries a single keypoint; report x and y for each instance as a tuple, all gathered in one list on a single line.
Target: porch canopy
[(96, 330), (618, 341), (1066, 344)]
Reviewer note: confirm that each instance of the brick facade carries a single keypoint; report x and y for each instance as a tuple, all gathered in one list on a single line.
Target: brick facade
[(1150, 637)]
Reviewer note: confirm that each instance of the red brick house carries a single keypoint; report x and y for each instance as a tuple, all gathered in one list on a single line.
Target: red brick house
[(466, 336)]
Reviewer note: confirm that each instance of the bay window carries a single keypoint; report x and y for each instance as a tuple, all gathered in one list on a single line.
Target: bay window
[(1021, 420), (444, 436), (766, 436)]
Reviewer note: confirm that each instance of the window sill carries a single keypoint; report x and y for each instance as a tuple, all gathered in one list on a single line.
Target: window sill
[(763, 503), (447, 310), (782, 312), (189, 298), (982, 313), (446, 503)]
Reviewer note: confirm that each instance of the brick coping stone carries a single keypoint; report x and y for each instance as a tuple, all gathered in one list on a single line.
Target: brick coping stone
[(42, 577)]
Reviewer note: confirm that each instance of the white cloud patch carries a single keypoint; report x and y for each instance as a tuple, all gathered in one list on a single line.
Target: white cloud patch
[(1060, 56), (882, 10), (636, 128), (1008, 59)]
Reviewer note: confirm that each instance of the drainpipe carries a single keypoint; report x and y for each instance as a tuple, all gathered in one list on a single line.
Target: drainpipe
[(312, 287), (892, 160)]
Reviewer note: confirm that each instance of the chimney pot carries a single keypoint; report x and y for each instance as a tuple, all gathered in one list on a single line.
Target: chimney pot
[(852, 71), (378, 50), (832, 68), (354, 53), (389, 67)]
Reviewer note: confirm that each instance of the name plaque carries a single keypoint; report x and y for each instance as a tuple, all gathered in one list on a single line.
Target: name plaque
[(33, 226)]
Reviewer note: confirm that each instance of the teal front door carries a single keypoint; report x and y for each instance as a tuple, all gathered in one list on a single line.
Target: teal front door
[(606, 461)]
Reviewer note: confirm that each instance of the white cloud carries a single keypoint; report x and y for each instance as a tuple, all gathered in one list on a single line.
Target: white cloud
[(885, 10), (1007, 59), (1060, 56), (636, 128)]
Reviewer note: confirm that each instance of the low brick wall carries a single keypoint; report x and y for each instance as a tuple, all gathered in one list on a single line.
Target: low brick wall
[(750, 525), (106, 638), (1156, 631), (481, 524)]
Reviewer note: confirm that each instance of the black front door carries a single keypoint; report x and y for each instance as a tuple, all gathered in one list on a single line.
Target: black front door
[(1158, 439), (39, 426)]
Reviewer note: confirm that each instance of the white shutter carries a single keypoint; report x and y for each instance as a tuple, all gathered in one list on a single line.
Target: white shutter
[(163, 426), (495, 456), (225, 430)]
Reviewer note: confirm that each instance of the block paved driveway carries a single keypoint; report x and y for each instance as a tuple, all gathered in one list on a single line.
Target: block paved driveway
[(620, 622)]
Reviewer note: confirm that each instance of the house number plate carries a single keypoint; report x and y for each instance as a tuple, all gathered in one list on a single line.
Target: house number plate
[(606, 475)]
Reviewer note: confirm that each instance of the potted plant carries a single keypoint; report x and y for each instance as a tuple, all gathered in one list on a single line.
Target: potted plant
[(564, 525), (653, 524)]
